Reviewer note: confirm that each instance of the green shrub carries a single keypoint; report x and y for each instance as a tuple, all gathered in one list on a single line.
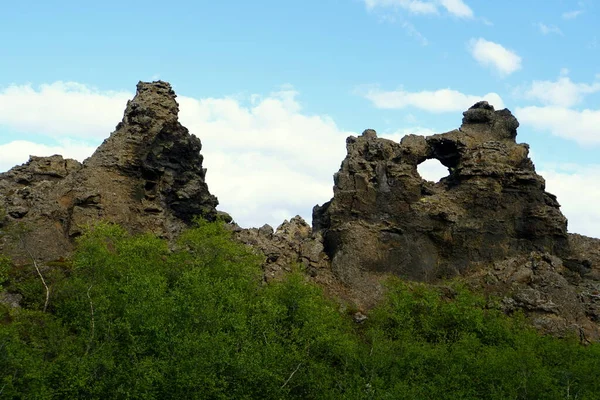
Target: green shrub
[(5, 266), (131, 318)]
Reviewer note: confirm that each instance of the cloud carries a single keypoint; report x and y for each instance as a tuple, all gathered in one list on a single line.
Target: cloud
[(397, 135), (495, 56), (18, 151), (572, 14), (413, 6), (265, 158), (563, 92), (579, 126), (432, 170), (438, 101), (457, 8), (268, 160), (548, 29), (578, 193), (61, 109)]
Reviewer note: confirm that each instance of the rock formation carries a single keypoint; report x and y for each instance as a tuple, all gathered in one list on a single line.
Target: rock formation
[(384, 217), (147, 176), (490, 214), (490, 221)]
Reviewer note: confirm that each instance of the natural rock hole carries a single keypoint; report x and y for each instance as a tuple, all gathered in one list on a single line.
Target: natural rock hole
[(432, 170)]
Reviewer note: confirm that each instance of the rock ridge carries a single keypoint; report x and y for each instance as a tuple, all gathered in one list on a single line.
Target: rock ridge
[(489, 222)]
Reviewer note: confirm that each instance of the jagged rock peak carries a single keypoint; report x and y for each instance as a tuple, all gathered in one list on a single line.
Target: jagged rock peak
[(483, 119), (150, 144), (151, 113), (369, 134), (147, 176)]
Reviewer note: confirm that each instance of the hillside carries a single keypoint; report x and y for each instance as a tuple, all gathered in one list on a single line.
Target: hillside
[(127, 254)]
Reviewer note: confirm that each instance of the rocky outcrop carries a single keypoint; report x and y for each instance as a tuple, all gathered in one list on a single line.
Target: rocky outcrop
[(490, 221), (292, 243), (556, 299), (384, 217), (147, 176)]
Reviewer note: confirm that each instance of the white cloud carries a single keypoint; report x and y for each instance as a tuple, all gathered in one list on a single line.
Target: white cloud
[(579, 126), (61, 109), (18, 151), (563, 92), (414, 6), (572, 14), (442, 100), (548, 29), (495, 56), (457, 8), (578, 193), (266, 158), (432, 170), (397, 135)]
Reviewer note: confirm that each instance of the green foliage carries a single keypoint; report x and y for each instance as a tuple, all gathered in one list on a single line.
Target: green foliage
[(131, 318), (5, 265), (445, 344)]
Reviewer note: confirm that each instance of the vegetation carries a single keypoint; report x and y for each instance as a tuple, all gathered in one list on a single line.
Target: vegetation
[(130, 318)]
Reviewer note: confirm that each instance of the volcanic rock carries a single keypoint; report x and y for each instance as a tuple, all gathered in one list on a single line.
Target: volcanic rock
[(147, 176), (490, 221), (292, 243), (384, 217)]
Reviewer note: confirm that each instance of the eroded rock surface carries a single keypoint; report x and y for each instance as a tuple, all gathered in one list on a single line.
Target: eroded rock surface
[(384, 217), (555, 299), (490, 221), (147, 176), (292, 243)]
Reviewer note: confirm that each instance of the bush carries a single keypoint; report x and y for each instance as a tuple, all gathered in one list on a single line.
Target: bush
[(131, 318)]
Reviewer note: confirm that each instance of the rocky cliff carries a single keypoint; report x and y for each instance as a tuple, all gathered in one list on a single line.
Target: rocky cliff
[(489, 222)]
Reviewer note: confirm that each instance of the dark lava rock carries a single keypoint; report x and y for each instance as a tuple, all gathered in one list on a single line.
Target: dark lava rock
[(490, 221), (384, 217), (147, 176)]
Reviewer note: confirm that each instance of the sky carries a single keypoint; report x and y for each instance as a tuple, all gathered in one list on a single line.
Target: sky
[(273, 88)]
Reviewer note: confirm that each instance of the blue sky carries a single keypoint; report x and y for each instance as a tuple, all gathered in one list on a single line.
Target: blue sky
[(273, 88)]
